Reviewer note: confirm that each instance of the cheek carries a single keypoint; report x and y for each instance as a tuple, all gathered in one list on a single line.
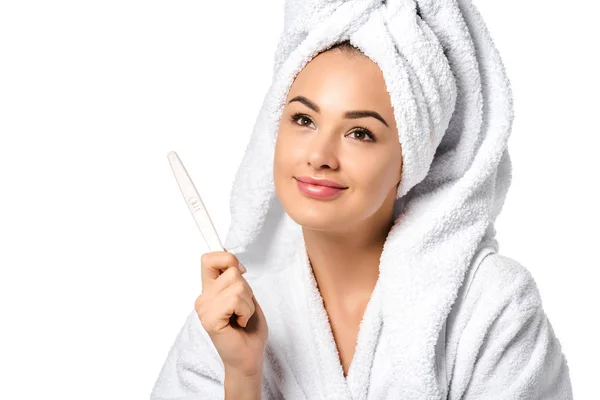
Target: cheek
[(282, 160), (277, 162), (373, 175), (287, 149)]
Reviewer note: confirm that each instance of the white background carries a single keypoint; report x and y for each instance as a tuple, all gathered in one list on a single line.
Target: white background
[(99, 255)]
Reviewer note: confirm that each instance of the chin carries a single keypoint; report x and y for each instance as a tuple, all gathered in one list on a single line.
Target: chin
[(314, 216)]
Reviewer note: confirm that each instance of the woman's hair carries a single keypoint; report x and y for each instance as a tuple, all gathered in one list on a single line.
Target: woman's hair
[(346, 47)]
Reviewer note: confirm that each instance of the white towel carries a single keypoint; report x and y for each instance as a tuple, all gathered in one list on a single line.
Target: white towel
[(450, 317)]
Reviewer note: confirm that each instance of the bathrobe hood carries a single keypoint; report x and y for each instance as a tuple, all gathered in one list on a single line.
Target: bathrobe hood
[(453, 109)]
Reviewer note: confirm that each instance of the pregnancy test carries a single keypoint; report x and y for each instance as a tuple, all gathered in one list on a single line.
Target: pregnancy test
[(195, 204)]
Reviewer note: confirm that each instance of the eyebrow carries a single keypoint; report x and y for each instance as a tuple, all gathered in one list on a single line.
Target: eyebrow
[(348, 114)]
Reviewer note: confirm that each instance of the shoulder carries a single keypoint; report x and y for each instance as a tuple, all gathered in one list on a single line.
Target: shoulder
[(500, 341), (498, 294), (496, 291), (503, 281)]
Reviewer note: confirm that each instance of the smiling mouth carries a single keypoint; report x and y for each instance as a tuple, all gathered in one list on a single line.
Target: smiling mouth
[(318, 191)]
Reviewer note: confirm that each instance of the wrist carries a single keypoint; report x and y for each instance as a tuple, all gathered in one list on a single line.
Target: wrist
[(246, 385), (244, 372)]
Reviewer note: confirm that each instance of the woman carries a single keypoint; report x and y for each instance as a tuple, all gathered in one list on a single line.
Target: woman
[(385, 281)]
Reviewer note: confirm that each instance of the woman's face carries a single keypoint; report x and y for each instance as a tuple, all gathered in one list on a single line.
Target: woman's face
[(316, 139)]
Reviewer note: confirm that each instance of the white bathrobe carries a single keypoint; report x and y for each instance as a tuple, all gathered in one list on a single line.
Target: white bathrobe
[(450, 317), (496, 343)]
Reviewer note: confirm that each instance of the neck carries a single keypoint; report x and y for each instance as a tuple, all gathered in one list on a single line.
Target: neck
[(346, 265)]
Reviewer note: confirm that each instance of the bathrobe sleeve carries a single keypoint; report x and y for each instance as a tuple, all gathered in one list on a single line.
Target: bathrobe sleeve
[(193, 368), (508, 348)]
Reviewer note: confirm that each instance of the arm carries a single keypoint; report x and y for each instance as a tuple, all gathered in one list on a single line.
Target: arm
[(507, 348)]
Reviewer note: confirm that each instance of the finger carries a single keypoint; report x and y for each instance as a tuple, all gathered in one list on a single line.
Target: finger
[(257, 319), (227, 278), (240, 301), (243, 319), (240, 265), (258, 309), (213, 264), (230, 301), (230, 276)]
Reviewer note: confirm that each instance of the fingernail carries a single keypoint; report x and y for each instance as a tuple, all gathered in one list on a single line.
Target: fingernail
[(242, 268)]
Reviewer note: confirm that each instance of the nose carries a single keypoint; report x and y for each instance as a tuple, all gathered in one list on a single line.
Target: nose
[(323, 150)]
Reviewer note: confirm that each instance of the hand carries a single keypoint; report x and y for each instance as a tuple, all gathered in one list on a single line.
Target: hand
[(230, 314)]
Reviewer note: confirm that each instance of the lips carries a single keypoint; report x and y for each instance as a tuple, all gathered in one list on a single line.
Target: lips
[(321, 182), (319, 191)]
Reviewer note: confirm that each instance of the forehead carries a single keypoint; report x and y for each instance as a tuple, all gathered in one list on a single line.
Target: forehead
[(337, 80)]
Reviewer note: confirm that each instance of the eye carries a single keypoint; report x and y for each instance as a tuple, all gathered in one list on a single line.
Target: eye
[(365, 132), (300, 117)]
